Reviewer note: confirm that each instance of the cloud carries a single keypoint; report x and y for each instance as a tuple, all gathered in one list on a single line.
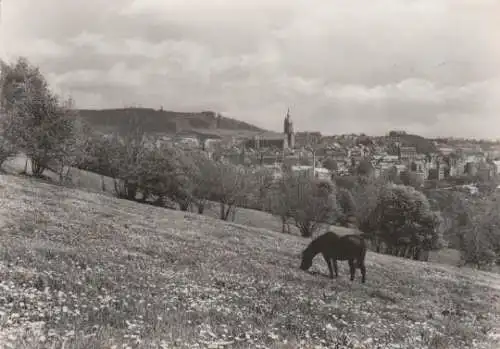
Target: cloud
[(429, 66)]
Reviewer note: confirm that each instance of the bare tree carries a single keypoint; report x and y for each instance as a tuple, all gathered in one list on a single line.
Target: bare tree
[(479, 241), (281, 205), (202, 175), (230, 184), (310, 203)]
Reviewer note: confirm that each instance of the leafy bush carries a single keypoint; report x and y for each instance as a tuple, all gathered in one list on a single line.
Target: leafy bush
[(404, 222)]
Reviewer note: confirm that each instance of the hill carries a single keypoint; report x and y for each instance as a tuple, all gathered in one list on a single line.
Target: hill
[(96, 271), (423, 145), (161, 120)]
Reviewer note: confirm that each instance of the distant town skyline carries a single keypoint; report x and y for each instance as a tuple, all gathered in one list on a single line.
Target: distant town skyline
[(428, 66)]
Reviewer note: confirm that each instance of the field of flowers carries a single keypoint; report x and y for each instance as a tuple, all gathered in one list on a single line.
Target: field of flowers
[(84, 270)]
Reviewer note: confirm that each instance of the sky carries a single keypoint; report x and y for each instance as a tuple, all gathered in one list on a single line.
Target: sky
[(430, 67)]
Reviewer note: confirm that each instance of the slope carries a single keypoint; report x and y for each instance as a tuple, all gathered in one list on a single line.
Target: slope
[(422, 145), (161, 120), (97, 271)]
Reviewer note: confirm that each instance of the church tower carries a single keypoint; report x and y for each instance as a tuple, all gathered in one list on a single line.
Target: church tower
[(288, 130)]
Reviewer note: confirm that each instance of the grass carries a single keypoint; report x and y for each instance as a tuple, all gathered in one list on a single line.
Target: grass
[(91, 271)]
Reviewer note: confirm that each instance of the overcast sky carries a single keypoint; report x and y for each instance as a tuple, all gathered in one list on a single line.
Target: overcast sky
[(428, 66)]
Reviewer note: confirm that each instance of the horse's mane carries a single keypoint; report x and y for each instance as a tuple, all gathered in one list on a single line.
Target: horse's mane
[(312, 247)]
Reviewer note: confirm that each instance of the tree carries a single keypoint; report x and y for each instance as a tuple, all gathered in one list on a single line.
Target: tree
[(281, 204), (183, 180), (456, 212), (365, 194), (36, 121), (229, 186), (391, 175), (405, 222), (126, 158), (411, 179), (265, 181), (347, 205), (7, 150), (72, 152), (309, 202), (202, 175), (365, 168), (330, 164), (479, 242), (157, 176)]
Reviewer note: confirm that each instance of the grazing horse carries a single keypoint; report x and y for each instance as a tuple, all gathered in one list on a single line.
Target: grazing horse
[(333, 247)]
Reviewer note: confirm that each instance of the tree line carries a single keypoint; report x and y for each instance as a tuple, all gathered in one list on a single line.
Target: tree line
[(397, 219)]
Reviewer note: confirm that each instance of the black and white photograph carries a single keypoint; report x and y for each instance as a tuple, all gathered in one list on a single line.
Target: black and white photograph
[(299, 174)]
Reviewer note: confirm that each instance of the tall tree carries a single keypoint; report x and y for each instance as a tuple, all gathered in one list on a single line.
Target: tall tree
[(36, 121)]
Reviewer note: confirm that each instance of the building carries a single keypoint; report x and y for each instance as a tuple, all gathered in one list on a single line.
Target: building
[(337, 154), (304, 139), (268, 139), (486, 170), (319, 172), (496, 163), (357, 153), (407, 153), (420, 169)]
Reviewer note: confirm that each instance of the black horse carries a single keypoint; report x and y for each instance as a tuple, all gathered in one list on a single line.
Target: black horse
[(333, 247)]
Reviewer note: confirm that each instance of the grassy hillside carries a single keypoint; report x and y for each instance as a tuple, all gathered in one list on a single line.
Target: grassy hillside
[(90, 181), (423, 145), (95, 271), (160, 120)]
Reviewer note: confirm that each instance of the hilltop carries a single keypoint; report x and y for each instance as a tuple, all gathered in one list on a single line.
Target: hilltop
[(96, 271), (422, 144), (161, 120)]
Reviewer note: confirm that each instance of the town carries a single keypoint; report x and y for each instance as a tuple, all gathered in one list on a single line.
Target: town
[(411, 159)]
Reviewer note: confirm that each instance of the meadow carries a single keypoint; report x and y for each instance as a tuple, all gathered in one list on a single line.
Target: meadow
[(82, 269)]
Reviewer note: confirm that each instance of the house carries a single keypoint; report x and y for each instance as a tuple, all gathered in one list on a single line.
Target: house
[(496, 163), (486, 170), (319, 172), (407, 153), (337, 154), (420, 168), (445, 150), (303, 139)]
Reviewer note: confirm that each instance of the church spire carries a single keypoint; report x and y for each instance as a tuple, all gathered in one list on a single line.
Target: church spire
[(288, 129)]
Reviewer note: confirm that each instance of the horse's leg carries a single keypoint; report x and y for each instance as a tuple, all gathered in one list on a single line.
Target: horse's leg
[(352, 268), (329, 263), (336, 267), (362, 267)]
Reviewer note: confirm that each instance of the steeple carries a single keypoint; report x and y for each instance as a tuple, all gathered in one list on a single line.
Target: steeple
[(288, 129)]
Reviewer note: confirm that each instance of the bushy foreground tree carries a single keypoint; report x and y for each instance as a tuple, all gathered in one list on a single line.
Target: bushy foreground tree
[(404, 223), (36, 121)]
